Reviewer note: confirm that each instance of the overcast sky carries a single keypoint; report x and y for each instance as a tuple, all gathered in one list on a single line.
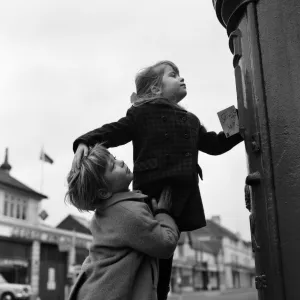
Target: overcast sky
[(68, 67)]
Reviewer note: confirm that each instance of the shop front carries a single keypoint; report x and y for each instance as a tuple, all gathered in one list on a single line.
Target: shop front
[(15, 257), (40, 256)]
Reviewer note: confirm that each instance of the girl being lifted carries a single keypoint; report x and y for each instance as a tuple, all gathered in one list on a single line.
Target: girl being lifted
[(166, 139)]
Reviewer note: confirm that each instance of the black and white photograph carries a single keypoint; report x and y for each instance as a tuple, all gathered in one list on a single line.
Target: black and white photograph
[(149, 150)]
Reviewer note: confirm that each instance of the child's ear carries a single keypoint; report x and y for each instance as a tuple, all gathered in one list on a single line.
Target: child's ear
[(104, 194), (155, 90)]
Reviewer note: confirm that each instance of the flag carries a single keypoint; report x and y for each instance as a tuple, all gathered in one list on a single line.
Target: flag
[(46, 158)]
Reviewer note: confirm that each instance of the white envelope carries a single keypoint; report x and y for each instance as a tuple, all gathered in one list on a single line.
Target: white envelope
[(229, 121)]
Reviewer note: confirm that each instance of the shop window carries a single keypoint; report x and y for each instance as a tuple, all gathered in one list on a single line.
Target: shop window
[(15, 207)]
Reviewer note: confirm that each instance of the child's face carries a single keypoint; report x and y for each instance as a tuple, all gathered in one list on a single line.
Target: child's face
[(117, 175), (173, 86)]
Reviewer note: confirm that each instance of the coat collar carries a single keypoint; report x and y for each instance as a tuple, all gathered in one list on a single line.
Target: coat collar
[(160, 101), (164, 101), (122, 196)]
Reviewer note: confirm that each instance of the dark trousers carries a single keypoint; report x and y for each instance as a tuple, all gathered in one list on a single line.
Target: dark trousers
[(165, 270)]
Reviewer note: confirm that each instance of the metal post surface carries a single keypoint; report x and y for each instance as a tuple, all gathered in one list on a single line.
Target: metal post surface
[(265, 41)]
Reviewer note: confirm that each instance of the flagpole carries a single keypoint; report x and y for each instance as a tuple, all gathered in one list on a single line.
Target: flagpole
[(44, 158), (42, 170)]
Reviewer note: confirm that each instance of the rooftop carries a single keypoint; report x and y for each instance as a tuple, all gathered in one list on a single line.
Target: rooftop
[(6, 180)]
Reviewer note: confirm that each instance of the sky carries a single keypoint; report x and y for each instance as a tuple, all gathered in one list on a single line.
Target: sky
[(68, 67)]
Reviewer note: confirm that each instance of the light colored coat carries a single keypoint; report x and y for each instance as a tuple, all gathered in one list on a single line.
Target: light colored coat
[(128, 240)]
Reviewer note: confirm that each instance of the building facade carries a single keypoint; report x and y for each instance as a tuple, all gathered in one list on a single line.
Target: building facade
[(30, 252), (212, 258)]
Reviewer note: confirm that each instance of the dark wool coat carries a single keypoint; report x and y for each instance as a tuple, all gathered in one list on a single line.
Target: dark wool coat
[(166, 141)]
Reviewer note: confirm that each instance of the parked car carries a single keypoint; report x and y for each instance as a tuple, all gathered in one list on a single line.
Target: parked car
[(14, 291)]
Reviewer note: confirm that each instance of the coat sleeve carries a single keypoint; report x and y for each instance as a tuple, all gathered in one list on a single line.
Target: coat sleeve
[(155, 236), (216, 144), (111, 135)]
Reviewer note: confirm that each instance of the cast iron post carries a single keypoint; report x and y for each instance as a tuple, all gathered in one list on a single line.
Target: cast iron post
[(264, 38)]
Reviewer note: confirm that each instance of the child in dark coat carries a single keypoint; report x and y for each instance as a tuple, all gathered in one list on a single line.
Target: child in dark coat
[(166, 139), (127, 238)]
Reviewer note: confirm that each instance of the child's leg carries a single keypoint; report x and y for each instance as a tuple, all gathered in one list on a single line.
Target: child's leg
[(165, 270)]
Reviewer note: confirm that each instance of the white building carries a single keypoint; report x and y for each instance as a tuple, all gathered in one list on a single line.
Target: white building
[(212, 257), (30, 252)]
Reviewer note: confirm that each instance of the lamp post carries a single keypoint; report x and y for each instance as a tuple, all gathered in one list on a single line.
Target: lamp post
[(265, 42)]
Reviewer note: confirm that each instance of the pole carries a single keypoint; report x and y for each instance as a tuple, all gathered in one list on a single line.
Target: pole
[(73, 249), (265, 42), (42, 169)]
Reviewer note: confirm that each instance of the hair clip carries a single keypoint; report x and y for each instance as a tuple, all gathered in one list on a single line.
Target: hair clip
[(133, 97)]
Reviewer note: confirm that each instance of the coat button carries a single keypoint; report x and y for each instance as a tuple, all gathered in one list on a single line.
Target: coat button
[(187, 154), (183, 119), (164, 118), (166, 135), (186, 135)]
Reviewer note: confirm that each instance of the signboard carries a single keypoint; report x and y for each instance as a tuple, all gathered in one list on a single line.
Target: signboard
[(5, 230), (63, 241), (32, 234), (43, 215), (13, 262), (64, 247)]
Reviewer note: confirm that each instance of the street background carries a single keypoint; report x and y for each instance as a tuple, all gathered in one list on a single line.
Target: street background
[(239, 294), (68, 67)]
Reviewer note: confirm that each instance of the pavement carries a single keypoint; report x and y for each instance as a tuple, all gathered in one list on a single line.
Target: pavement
[(232, 294)]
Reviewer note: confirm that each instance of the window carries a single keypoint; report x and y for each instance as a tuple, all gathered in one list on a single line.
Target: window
[(15, 207), (234, 259), (5, 211)]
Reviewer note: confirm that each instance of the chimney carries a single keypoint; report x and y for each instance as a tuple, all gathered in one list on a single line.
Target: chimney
[(216, 219), (6, 166)]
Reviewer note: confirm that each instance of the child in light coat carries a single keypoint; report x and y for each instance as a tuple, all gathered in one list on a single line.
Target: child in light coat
[(128, 238)]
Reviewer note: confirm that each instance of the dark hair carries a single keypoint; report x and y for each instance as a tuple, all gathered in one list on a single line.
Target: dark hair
[(151, 77), (84, 183)]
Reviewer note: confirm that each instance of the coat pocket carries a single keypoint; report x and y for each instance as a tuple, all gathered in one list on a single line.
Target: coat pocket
[(146, 165)]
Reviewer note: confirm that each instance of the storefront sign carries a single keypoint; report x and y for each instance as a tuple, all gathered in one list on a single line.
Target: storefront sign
[(13, 262), (5, 230), (64, 247), (25, 233), (48, 237)]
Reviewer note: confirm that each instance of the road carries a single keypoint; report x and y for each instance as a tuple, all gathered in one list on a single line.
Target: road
[(236, 295)]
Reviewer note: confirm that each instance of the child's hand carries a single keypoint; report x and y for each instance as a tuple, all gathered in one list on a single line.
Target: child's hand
[(81, 151), (165, 199)]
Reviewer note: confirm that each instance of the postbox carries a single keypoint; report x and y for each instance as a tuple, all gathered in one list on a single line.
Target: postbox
[(264, 38)]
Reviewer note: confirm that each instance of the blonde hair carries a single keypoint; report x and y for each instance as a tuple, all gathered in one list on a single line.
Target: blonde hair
[(85, 182), (149, 78)]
